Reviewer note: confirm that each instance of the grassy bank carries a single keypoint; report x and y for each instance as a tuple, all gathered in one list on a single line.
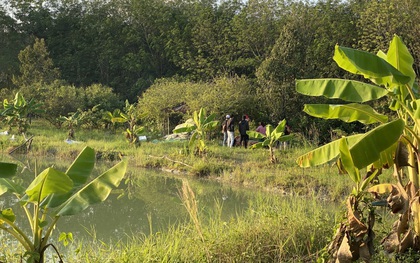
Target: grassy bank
[(293, 225)]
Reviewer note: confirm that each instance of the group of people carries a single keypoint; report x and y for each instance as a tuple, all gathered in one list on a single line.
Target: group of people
[(228, 129)]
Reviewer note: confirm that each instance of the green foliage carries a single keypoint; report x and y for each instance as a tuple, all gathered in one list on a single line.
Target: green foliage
[(390, 144), (198, 126), (168, 100), (72, 121), (97, 94), (129, 116), (19, 112), (53, 194), (272, 137), (36, 67)]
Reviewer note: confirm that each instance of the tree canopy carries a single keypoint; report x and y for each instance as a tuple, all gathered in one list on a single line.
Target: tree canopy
[(129, 45)]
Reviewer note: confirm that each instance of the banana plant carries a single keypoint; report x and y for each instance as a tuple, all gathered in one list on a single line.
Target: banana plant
[(51, 195), (129, 116), (18, 112), (71, 122), (199, 125), (272, 137), (391, 144)]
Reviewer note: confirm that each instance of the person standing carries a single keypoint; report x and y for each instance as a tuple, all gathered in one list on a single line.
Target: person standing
[(230, 132), (243, 128), (225, 130), (261, 129), (286, 131)]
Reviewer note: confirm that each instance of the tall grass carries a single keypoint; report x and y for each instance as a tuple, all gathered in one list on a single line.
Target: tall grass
[(272, 229)]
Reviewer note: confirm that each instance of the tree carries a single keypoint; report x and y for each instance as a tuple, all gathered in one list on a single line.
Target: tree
[(36, 69), (11, 42)]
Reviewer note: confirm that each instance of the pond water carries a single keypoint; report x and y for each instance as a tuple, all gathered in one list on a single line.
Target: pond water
[(147, 201)]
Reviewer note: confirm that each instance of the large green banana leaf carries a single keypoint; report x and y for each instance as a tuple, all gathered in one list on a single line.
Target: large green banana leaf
[(365, 148), (50, 181), (255, 135), (188, 126), (400, 57), (7, 170), (369, 65), (347, 161), (348, 90), (94, 192), (348, 112), (208, 126), (82, 167), (325, 153), (368, 149), (278, 131)]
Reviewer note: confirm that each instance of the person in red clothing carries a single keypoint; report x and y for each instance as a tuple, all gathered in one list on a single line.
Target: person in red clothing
[(261, 128)]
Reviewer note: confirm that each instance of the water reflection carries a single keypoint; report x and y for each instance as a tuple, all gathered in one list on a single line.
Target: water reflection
[(147, 201)]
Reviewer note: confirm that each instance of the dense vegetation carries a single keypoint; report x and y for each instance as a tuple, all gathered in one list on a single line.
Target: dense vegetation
[(174, 57)]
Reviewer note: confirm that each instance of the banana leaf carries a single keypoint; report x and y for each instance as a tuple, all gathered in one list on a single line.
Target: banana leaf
[(368, 149), (348, 112), (325, 153), (368, 65), (347, 90), (94, 192), (50, 181)]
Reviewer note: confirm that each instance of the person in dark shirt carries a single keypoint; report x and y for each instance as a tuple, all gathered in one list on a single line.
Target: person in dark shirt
[(243, 128)]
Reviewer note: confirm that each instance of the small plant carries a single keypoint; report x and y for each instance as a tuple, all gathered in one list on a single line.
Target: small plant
[(130, 117), (71, 122), (51, 195), (272, 137), (199, 125), (19, 112)]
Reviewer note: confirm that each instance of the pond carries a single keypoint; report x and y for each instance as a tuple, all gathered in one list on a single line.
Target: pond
[(148, 201)]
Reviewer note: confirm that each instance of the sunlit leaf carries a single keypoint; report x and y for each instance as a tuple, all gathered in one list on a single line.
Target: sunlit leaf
[(347, 161), (50, 181), (348, 90), (254, 134), (368, 65), (368, 149), (82, 166), (325, 153), (7, 185), (94, 192), (8, 215), (348, 112), (381, 188), (400, 57)]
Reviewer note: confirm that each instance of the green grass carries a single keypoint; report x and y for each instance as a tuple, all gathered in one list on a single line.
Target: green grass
[(289, 226)]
